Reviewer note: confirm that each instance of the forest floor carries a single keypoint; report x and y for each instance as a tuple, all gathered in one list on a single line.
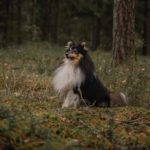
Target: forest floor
[(30, 111)]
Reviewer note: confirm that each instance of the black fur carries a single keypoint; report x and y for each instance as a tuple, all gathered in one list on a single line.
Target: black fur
[(94, 92)]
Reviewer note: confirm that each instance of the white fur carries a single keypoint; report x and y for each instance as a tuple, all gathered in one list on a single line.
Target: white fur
[(71, 100), (124, 98), (67, 76)]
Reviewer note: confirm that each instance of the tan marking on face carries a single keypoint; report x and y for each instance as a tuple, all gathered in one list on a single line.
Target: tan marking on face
[(77, 57)]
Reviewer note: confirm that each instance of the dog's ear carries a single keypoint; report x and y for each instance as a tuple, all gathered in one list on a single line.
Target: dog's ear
[(84, 45), (69, 44)]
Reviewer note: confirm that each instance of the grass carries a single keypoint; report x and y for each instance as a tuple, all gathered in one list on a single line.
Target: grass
[(30, 111)]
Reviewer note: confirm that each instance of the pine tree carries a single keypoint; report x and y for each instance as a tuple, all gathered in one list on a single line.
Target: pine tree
[(146, 34), (123, 31)]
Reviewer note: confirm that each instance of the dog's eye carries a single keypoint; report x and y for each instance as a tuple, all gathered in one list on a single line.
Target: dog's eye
[(67, 50)]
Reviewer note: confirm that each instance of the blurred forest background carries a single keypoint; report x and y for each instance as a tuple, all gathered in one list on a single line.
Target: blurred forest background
[(58, 21), (33, 34)]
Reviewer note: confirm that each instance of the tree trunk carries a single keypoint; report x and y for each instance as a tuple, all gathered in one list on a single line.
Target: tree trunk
[(123, 31), (146, 34), (33, 20), (54, 22), (46, 8), (11, 22), (4, 22), (96, 27), (19, 22)]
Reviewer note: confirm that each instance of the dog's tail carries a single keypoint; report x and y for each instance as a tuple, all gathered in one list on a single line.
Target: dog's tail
[(118, 99)]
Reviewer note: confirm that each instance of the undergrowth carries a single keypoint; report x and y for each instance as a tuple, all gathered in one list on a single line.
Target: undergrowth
[(30, 112)]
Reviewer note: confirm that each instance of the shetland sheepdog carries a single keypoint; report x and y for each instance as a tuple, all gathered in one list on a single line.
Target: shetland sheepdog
[(76, 81)]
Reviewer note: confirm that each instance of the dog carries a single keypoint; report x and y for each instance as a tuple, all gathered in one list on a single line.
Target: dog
[(75, 79)]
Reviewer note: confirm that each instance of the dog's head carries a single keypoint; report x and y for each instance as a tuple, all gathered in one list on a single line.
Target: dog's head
[(75, 52)]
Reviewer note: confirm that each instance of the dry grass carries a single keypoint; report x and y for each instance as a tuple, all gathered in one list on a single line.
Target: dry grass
[(31, 116)]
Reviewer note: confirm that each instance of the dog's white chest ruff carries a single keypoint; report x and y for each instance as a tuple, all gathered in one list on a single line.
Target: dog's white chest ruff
[(67, 77)]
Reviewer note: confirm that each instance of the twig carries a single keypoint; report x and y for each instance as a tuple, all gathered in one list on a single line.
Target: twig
[(135, 121)]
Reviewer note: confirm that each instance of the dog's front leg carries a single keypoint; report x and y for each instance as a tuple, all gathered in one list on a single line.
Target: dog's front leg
[(71, 99)]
